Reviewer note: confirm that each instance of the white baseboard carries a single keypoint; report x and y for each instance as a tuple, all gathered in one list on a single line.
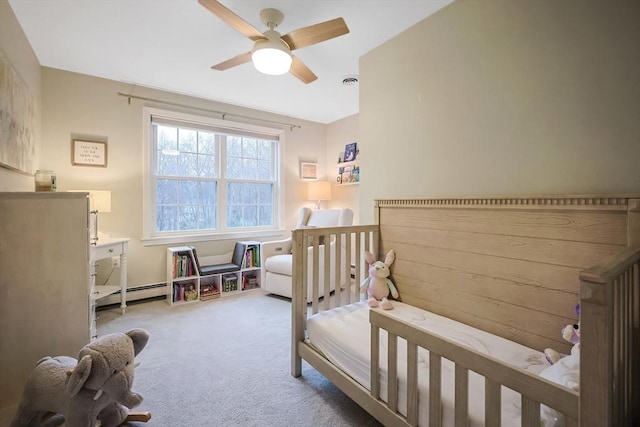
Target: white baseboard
[(136, 293)]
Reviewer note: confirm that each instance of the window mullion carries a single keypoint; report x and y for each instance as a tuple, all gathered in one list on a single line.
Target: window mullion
[(222, 181)]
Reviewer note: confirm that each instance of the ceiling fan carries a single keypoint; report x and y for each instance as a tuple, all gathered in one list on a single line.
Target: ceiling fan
[(271, 53)]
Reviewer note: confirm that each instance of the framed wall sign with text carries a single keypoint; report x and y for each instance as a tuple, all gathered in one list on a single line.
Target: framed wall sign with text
[(308, 170), (86, 153)]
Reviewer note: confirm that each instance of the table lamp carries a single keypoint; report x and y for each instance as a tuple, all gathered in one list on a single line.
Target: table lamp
[(319, 190), (99, 201)]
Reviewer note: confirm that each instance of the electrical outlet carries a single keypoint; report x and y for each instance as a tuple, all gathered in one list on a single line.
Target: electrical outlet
[(115, 261)]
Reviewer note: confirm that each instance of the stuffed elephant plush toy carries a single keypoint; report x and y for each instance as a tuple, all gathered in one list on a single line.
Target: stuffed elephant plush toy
[(97, 386)]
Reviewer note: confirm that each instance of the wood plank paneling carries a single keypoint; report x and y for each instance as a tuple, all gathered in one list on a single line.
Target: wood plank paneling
[(543, 250), (511, 322), (551, 301), (581, 226), (509, 267)]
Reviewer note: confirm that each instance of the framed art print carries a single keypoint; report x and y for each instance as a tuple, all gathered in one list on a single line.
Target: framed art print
[(308, 170), (87, 153)]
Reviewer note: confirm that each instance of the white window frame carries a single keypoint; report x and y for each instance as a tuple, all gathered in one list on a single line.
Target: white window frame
[(151, 237)]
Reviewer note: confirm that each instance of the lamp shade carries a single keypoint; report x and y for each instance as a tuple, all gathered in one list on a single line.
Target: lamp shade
[(272, 55), (100, 200), (319, 190)]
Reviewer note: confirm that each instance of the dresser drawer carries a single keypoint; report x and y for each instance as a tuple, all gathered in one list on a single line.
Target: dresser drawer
[(102, 252)]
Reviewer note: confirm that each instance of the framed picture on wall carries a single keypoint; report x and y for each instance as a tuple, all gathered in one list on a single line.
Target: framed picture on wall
[(308, 171), (88, 153)]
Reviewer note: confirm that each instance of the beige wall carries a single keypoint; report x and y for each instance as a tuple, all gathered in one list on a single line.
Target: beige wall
[(501, 97), (340, 133), (76, 105), (80, 106), (17, 50)]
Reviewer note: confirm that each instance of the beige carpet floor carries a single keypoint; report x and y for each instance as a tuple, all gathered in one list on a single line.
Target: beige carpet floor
[(226, 362)]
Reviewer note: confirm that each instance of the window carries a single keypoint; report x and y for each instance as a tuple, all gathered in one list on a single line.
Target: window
[(209, 178)]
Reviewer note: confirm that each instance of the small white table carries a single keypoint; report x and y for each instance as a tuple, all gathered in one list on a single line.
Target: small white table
[(108, 248)]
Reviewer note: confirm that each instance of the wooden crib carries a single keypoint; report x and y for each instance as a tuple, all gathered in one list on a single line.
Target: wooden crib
[(514, 267)]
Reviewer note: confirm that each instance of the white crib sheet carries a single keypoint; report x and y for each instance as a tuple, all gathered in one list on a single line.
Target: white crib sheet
[(343, 336)]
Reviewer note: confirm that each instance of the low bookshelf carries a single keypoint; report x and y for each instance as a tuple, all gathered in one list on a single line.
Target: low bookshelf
[(191, 277)]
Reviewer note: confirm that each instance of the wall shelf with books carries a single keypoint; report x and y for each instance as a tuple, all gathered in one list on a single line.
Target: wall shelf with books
[(200, 278), (349, 165)]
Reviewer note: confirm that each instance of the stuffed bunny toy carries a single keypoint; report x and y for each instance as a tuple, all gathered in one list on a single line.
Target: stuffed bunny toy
[(570, 333), (95, 387), (378, 285)]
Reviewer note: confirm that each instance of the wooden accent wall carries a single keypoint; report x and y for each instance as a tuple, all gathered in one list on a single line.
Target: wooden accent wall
[(509, 266)]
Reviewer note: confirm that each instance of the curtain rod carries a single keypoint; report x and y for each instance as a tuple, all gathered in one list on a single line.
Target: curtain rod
[(222, 113)]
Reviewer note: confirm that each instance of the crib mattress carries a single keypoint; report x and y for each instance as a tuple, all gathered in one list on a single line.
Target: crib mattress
[(343, 336)]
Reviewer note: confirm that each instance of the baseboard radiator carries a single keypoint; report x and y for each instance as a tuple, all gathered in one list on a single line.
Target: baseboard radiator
[(136, 293)]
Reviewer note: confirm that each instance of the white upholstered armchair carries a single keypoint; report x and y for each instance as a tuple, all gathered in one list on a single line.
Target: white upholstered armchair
[(276, 258)]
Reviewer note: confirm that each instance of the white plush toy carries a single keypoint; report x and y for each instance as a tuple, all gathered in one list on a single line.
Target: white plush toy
[(97, 386), (570, 333), (378, 285)]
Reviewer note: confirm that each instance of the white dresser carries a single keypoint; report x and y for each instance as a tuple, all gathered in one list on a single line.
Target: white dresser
[(44, 282)]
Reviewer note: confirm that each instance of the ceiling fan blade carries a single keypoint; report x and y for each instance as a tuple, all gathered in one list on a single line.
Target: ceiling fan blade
[(301, 71), (231, 19), (236, 60), (315, 33)]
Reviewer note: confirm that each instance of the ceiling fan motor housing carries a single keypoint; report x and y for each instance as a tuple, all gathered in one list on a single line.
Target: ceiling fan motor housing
[(271, 17)]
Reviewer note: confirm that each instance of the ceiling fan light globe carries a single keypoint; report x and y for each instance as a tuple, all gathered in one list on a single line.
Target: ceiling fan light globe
[(271, 61), (271, 56)]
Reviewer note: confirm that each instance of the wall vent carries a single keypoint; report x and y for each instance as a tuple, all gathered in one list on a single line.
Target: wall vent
[(350, 80)]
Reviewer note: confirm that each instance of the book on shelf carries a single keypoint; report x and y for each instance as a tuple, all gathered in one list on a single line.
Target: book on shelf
[(209, 291), (351, 152), (348, 174), (183, 264), (247, 253), (184, 292), (229, 283), (190, 293), (249, 281)]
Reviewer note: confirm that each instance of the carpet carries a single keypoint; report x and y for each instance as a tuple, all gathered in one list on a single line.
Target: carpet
[(226, 362)]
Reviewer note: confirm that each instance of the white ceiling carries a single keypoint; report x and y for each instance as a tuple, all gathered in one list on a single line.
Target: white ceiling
[(171, 45)]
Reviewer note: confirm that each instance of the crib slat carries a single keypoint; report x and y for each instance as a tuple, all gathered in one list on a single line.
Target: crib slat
[(412, 384), (492, 403), (347, 253), (392, 371), (315, 276), (337, 272), (530, 412), (375, 361), (462, 396), (435, 390), (358, 251), (326, 301)]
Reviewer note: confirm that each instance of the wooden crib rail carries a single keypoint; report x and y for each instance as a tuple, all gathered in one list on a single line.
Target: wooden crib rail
[(610, 341), (349, 243), (534, 389)]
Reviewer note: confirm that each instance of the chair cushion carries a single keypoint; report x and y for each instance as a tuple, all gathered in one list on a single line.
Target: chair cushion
[(279, 264), (207, 270)]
